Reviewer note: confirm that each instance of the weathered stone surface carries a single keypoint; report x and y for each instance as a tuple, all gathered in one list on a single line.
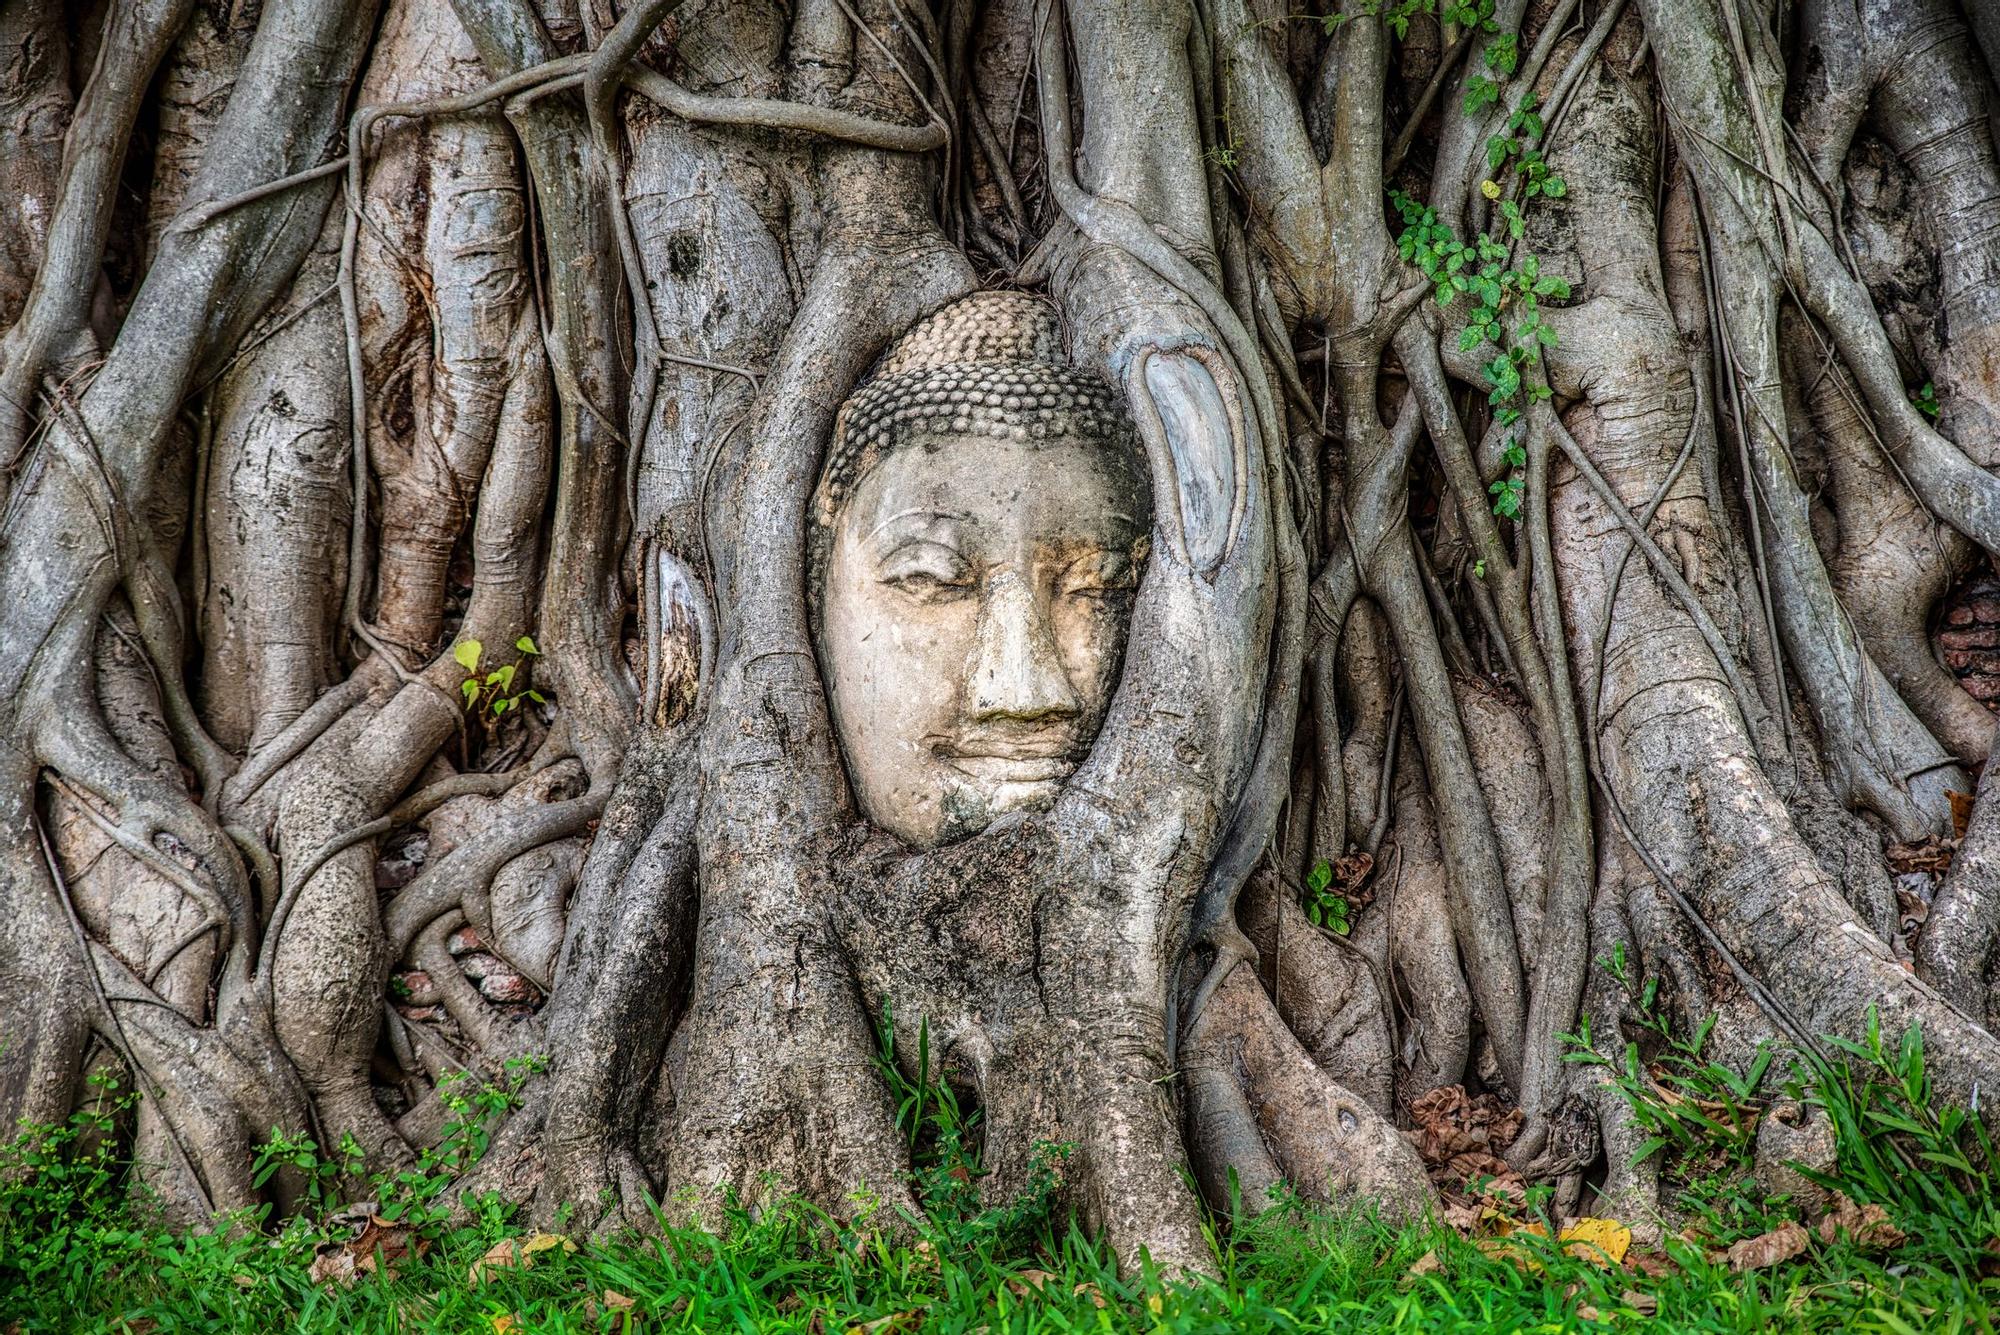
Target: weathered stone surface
[(417, 988), (1969, 643)]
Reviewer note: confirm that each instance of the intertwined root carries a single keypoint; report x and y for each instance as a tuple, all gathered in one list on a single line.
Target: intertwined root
[(1626, 656)]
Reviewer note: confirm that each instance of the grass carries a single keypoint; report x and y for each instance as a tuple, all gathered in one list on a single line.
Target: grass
[(76, 1253)]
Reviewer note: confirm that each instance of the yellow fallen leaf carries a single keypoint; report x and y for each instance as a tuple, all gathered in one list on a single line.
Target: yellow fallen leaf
[(1490, 189), (1602, 1242)]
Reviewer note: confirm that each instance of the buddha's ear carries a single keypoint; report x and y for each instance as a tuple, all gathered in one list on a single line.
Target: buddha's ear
[(1191, 420)]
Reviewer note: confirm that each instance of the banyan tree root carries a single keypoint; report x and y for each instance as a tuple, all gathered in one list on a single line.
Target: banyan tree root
[(425, 470)]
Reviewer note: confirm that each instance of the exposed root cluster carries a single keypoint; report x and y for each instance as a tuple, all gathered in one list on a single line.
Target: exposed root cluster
[(1565, 432)]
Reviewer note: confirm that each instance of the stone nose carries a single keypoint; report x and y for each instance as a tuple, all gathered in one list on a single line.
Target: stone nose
[(1017, 668)]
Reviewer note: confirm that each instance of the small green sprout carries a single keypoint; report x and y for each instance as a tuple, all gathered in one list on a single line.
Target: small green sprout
[(492, 688)]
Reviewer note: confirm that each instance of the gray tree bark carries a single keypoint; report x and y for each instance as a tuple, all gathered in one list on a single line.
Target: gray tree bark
[(366, 365)]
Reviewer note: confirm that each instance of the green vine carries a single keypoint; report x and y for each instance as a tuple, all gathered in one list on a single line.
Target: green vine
[(1501, 291), (1396, 16), (1503, 57)]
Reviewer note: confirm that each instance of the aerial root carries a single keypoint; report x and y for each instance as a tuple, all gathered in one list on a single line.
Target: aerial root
[(89, 767), (1266, 1104), (261, 767), (497, 1038)]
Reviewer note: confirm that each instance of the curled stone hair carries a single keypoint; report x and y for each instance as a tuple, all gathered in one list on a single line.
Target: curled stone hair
[(988, 365)]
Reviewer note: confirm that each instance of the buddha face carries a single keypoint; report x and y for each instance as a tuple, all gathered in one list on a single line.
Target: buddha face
[(974, 608)]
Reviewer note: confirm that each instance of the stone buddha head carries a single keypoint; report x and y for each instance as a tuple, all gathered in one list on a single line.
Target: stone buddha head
[(976, 542)]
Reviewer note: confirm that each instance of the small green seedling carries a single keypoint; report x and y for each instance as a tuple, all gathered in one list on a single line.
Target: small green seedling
[(489, 692), (1325, 906)]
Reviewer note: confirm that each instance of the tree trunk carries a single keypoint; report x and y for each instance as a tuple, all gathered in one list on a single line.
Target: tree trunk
[(1205, 569)]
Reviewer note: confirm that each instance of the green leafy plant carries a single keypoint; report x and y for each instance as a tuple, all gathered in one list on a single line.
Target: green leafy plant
[(1018, 1266), (1396, 16), (491, 693), (59, 1187), (1930, 1165), (321, 1176), (1507, 491), (1898, 1145), (944, 1149), (1926, 400), (412, 1196), (1683, 1099), (475, 1110), (1325, 906)]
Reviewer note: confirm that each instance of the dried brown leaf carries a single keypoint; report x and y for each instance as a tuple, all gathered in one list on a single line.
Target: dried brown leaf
[(332, 1263), (1781, 1244), (1500, 1249), (1867, 1225), (1350, 872), (1427, 1264), (1473, 1164), (516, 1252), (375, 1246), (1023, 1281), (1652, 1264), (1961, 812), (1448, 1123), (1931, 854)]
